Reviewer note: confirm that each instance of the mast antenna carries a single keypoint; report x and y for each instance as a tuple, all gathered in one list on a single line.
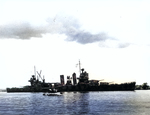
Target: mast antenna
[(35, 71), (79, 68)]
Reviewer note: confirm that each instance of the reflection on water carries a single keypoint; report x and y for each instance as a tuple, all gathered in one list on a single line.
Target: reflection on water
[(77, 102), (114, 103)]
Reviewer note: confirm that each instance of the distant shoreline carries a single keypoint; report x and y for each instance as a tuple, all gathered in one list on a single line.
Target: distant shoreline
[(3, 90)]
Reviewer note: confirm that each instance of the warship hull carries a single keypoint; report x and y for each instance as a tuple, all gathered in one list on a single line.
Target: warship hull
[(83, 87)]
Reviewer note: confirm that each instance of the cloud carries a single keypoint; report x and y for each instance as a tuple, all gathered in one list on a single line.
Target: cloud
[(72, 29), (123, 45), (61, 25), (21, 30), (57, 25), (114, 44), (85, 37)]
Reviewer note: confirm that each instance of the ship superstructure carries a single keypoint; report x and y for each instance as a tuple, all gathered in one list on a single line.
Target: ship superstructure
[(84, 84)]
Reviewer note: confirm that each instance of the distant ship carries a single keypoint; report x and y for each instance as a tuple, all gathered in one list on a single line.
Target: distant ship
[(83, 84)]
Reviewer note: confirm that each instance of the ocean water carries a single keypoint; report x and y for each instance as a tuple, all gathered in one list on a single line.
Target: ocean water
[(70, 103)]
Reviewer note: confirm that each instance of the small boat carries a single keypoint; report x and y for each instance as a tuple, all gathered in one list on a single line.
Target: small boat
[(52, 94), (52, 90)]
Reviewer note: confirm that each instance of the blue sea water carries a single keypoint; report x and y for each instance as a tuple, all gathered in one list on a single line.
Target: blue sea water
[(95, 103)]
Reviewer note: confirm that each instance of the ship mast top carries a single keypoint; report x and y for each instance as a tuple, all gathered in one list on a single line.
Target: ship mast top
[(79, 68), (35, 71)]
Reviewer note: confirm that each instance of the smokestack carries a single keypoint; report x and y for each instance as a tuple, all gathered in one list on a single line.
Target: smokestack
[(62, 79), (74, 78)]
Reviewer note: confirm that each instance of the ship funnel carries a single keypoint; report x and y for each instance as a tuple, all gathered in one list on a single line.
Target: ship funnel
[(62, 79), (74, 78)]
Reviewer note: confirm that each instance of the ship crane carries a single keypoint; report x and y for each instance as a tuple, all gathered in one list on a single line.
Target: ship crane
[(40, 76)]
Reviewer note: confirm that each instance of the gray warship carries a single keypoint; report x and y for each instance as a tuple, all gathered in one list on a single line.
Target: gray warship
[(38, 84)]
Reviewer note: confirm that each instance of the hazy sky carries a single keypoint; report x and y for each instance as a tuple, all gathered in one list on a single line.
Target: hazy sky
[(110, 37)]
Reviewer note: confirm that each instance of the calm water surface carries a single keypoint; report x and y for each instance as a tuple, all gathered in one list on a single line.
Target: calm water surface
[(96, 103)]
